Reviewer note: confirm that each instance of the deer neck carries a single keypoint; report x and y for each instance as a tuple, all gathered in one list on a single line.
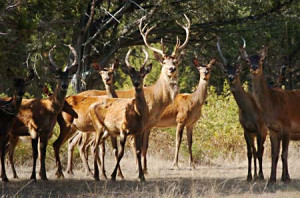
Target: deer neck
[(58, 98), (261, 92), (240, 95), (110, 91), (141, 107), (160, 95), (16, 103), (200, 95)]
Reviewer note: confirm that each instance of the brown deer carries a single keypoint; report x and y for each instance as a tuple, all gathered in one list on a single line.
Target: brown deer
[(86, 140), (14, 140), (122, 117), (9, 108), (250, 115), (158, 96), (185, 110), (37, 117), (279, 112)]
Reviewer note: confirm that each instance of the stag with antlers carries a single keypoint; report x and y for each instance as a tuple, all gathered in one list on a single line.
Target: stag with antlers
[(158, 96), (279, 113), (37, 117), (9, 108), (250, 114)]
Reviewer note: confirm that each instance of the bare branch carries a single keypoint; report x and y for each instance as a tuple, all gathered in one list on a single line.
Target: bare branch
[(91, 16)]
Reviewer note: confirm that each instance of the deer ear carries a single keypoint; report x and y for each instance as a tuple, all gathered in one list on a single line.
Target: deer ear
[(158, 57), (196, 62), (125, 69), (72, 70), (96, 66), (146, 70), (115, 65)]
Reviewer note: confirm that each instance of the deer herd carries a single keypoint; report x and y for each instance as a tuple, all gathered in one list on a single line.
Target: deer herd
[(90, 117)]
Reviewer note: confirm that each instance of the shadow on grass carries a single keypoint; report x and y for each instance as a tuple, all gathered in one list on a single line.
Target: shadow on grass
[(152, 187)]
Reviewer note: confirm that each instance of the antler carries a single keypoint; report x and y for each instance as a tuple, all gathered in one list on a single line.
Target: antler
[(243, 50), (127, 58), (74, 54), (128, 54), (144, 35), (220, 52), (146, 57), (53, 65), (179, 47)]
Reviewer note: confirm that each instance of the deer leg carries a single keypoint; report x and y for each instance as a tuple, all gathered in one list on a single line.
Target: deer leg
[(72, 143), (189, 133), (83, 151), (101, 161), (275, 147), (248, 140), (43, 150), (11, 150), (34, 144), (138, 142), (133, 149), (145, 144), (179, 132), (254, 153), (260, 150), (114, 144), (3, 142), (123, 137), (65, 134), (284, 157)]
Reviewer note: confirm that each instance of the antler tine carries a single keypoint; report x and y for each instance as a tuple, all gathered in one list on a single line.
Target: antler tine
[(244, 43), (127, 58), (146, 57), (162, 45), (220, 52), (144, 35), (187, 31), (53, 64), (75, 55), (243, 49)]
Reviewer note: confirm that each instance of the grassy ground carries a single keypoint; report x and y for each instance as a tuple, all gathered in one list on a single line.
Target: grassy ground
[(224, 177)]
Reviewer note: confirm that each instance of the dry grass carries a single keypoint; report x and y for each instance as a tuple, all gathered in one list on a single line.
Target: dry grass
[(223, 178)]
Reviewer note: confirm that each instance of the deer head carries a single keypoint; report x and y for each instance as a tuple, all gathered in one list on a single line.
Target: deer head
[(255, 61), (63, 74), (107, 73), (137, 77), (204, 70), (20, 83), (169, 63), (233, 69)]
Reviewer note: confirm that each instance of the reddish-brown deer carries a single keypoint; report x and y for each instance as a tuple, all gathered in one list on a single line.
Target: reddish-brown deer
[(158, 96), (37, 117), (86, 140), (185, 110), (123, 117), (279, 113), (9, 108), (250, 115)]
